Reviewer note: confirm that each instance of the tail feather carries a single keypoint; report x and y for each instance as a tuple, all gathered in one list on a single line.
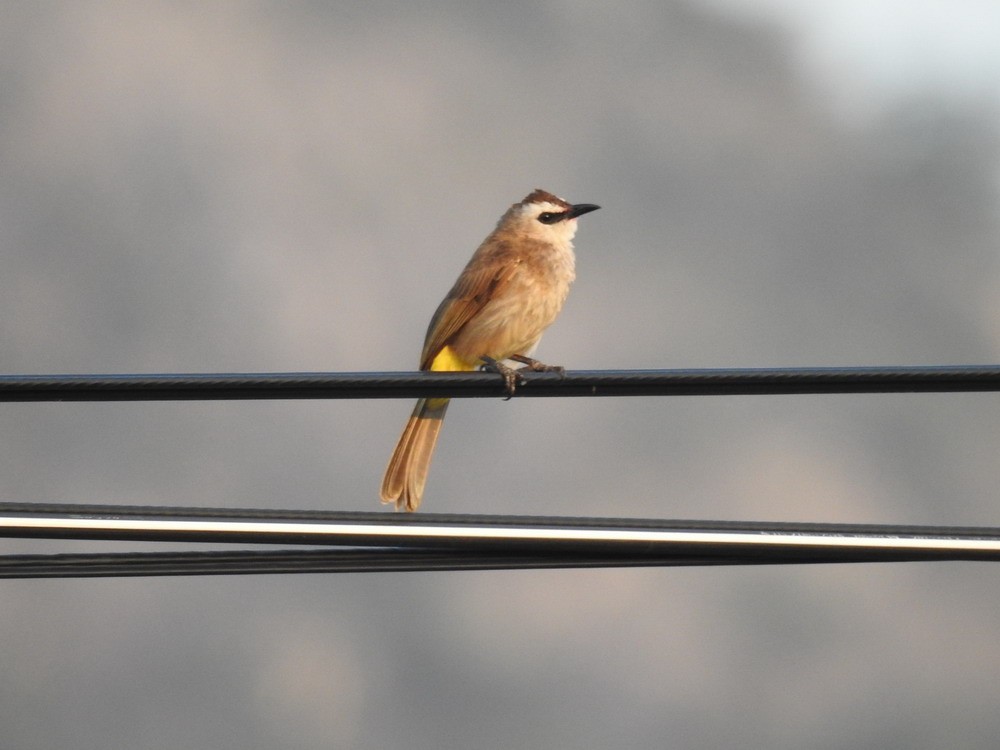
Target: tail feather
[(403, 483)]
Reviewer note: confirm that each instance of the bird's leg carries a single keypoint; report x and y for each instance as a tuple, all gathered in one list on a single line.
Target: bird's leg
[(535, 366), (511, 377)]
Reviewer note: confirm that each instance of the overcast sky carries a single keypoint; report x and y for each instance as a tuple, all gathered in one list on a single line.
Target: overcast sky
[(293, 186), (873, 55)]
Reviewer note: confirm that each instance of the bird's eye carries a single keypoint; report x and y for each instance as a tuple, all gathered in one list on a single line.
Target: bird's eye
[(549, 218)]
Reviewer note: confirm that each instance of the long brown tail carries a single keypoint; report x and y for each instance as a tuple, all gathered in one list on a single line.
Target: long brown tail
[(406, 474)]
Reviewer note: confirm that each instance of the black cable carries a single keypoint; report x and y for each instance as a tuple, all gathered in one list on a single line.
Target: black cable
[(354, 542), (402, 521), (244, 562), (702, 382)]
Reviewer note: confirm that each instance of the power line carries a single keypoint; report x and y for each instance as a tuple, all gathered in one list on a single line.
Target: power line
[(376, 541), (355, 542), (354, 385)]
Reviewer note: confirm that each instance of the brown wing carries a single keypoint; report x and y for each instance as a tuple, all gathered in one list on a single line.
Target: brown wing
[(482, 280)]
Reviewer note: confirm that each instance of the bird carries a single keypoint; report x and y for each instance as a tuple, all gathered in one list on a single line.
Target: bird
[(512, 289)]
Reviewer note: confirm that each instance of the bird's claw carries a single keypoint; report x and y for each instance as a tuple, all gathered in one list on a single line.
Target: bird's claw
[(535, 366), (511, 377)]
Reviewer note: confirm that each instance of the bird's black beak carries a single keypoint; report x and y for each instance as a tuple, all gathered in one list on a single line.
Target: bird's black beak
[(579, 209)]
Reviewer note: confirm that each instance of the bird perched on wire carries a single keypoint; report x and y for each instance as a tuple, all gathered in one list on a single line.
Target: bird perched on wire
[(510, 292)]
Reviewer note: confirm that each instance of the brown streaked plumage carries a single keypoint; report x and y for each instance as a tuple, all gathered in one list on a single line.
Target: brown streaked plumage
[(509, 293)]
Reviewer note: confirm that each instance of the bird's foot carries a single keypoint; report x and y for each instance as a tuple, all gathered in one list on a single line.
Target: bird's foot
[(535, 366), (511, 377)]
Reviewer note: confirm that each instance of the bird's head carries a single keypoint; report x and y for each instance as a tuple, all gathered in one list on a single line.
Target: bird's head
[(546, 217)]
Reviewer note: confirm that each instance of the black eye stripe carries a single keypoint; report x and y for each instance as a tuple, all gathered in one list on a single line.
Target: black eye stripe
[(550, 218)]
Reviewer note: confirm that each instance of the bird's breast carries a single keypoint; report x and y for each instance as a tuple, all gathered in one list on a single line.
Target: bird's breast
[(515, 318)]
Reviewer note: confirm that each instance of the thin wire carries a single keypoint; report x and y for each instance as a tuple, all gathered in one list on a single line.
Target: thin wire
[(700, 382)]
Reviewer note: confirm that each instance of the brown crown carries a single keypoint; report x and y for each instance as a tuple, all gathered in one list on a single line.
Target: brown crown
[(540, 196)]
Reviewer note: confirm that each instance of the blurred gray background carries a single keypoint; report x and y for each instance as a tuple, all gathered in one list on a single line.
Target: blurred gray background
[(293, 186)]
